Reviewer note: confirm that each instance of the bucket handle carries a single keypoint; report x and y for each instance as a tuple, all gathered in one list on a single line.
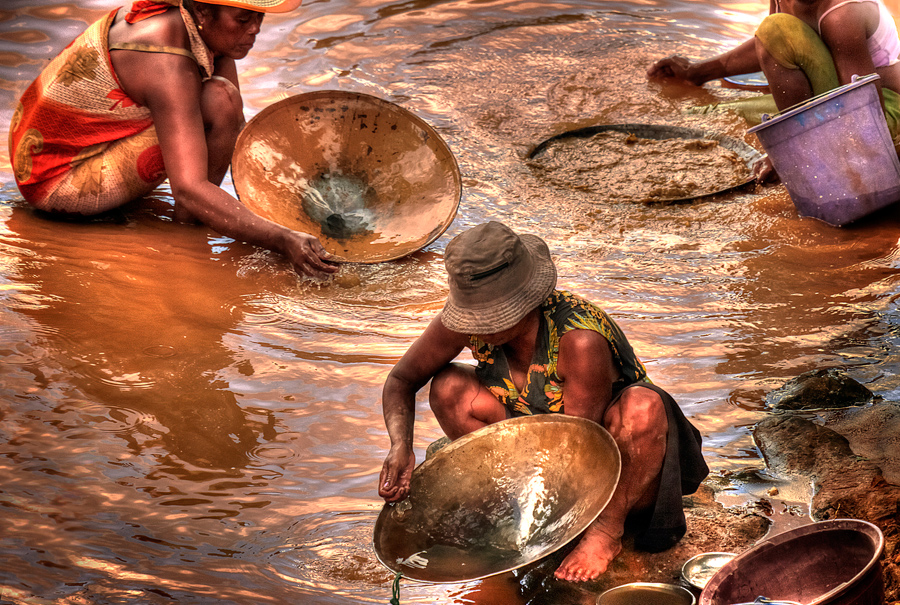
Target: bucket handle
[(853, 80)]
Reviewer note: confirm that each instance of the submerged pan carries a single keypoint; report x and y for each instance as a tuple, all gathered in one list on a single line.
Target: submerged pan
[(699, 569), (371, 180), (748, 154), (753, 81), (499, 498)]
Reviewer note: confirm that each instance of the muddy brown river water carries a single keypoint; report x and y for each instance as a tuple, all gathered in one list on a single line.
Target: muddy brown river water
[(182, 419)]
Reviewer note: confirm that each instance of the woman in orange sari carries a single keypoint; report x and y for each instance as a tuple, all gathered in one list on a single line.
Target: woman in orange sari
[(143, 96)]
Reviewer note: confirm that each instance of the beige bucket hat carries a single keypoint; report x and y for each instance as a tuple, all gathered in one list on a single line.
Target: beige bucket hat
[(496, 277)]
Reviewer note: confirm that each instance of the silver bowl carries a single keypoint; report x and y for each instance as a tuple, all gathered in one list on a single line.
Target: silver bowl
[(699, 569)]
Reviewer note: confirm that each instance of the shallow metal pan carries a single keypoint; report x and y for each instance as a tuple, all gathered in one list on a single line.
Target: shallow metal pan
[(499, 498), (660, 132)]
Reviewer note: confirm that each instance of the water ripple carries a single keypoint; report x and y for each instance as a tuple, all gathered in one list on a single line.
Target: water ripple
[(76, 415), (332, 553)]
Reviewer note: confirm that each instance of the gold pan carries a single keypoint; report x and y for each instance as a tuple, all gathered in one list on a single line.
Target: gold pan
[(499, 498), (660, 132), (370, 179)]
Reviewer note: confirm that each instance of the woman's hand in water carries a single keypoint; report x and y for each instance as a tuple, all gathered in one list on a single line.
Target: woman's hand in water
[(764, 171), (672, 67), (393, 483), (308, 256)]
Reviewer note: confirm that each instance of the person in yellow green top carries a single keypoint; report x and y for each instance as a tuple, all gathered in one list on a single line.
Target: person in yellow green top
[(805, 48), (540, 350), (145, 94)]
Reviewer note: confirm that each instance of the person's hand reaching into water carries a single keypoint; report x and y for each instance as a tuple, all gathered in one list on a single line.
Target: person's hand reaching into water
[(764, 171)]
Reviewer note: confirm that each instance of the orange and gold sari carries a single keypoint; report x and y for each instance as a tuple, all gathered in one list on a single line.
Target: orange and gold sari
[(77, 142)]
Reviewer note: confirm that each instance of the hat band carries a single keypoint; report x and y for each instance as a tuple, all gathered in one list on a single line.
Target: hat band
[(489, 272)]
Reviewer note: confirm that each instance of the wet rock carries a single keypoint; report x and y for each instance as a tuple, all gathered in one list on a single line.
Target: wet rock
[(873, 432), (793, 445), (819, 389), (845, 485)]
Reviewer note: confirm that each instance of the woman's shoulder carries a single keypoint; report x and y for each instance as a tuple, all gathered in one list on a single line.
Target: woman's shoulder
[(569, 311), (842, 8), (839, 20), (164, 29)]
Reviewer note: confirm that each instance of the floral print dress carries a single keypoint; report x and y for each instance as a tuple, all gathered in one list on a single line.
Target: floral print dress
[(543, 391), (684, 468)]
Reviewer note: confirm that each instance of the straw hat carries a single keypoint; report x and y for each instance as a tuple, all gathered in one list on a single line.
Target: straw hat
[(496, 277), (262, 6)]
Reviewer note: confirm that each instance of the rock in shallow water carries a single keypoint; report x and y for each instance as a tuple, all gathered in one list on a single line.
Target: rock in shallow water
[(819, 389), (845, 485)]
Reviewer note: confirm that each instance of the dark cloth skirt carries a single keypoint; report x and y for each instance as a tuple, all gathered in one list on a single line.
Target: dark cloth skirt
[(684, 469)]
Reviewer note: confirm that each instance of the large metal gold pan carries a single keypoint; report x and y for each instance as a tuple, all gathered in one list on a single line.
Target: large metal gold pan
[(371, 180), (661, 132), (499, 498)]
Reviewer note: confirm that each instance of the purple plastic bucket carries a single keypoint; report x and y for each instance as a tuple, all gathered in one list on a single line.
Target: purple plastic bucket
[(832, 562), (834, 153)]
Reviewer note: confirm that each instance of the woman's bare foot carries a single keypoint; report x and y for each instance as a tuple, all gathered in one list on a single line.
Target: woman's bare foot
[(591, 556), (637, 421)]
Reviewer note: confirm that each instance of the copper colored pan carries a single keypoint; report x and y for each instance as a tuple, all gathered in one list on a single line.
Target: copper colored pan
[(370, 179), (499, 498), (833, 562)]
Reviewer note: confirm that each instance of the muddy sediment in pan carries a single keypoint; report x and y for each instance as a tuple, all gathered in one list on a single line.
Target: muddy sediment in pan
[(644, 163)]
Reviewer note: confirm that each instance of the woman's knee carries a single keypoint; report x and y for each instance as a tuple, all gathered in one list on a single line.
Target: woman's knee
[(637, 412), (223, 119), (449, 384), (460, 403), (779, 29), (793, 44), (221, 106)]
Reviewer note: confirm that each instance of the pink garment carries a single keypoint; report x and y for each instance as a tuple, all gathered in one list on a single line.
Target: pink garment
[(884, 44)]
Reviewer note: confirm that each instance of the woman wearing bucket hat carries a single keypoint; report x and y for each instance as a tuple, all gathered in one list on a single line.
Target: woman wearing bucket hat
[(145, 94), (542, 350)]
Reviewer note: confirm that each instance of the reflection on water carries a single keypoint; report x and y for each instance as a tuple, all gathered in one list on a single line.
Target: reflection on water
[(183, 419)]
